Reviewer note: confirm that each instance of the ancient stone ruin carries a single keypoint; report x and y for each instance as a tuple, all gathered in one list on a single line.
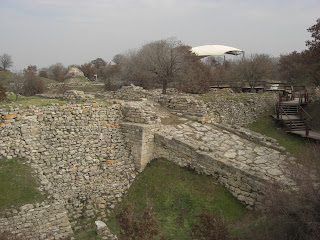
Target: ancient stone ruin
[(86, 155)]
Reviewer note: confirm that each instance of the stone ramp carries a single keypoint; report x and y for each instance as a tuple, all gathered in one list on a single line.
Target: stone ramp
[(244, 167)]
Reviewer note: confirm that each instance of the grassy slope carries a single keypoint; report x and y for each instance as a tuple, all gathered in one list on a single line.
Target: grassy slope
[(24, 102), (17, 185), (267, 126), (177, 194)]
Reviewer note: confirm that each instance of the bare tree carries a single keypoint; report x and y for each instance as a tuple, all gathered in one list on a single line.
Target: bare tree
[(16, 83), (57, 72), (26, 83), (162, 60), (99, 62), (253, 69), (118, 59), (88, 69), (6, 61), (43, 72)]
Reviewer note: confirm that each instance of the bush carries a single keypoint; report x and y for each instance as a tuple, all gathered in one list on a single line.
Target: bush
[(3, 93), (137, 226), (110, 86), (210, 227), (43, 73), (32, 84), (298, 211)]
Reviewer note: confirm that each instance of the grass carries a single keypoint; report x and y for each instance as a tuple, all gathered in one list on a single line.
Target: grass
[(268, 127), (23, 102), (17, 185), (177, 195), (90, 87), (48, 81), (88, 233)]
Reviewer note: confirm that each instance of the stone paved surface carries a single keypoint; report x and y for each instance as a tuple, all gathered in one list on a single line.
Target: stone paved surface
[(230, 148)]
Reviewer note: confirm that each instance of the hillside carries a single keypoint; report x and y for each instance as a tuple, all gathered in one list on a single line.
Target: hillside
[(177, 195)]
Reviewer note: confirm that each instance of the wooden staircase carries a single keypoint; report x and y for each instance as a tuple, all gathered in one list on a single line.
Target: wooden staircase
[(292, 120), (290, 112)]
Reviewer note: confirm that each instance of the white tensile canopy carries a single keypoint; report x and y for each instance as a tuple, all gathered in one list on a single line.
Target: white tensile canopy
[(215, 50)]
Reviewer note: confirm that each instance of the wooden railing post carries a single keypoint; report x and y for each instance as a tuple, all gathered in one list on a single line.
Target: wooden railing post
[(307, 130), (300, 99)]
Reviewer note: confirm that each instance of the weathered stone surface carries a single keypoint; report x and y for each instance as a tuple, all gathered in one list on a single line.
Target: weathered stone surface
[(100, 227), (243, 166)]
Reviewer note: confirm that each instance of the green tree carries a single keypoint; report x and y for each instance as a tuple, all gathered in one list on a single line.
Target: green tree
[(314, 50)]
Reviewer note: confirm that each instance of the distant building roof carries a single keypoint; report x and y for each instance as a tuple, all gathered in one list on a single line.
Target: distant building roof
[(214, 50)]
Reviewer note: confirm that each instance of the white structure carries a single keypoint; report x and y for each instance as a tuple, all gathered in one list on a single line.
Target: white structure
[(215, 50)]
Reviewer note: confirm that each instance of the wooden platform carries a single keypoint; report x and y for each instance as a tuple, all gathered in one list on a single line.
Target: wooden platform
[(312, 134), (286, 117)]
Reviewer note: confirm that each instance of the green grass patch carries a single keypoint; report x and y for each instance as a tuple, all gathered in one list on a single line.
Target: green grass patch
[(17, 184), (89, 87), (268, 127), (48, 81), (177, 195), (24, 102)]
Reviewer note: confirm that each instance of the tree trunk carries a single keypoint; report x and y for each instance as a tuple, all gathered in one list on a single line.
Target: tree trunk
[(164, 85)]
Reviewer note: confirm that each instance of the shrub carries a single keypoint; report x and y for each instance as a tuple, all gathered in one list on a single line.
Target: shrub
[(298, 210), (43, 73), (137, 226), (210, 227), (110, 86), (3, 93), (32, 84)]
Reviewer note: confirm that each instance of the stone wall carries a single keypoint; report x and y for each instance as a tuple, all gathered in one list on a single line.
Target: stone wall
[(216, 106), (39, 221), (140, 122), (85, 155), (240, 109), (245, 168), (78, 152)]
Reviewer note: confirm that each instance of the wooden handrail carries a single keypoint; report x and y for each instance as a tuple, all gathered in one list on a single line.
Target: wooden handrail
[(282, 111), (305, 112)]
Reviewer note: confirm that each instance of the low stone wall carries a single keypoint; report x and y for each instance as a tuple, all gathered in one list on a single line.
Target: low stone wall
[(45, 221), (246, 169), (240, 109), (139, 112), (221, 107), (186, 105)]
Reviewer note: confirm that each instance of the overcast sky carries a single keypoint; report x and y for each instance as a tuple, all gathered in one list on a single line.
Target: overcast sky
[(44, 32)]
